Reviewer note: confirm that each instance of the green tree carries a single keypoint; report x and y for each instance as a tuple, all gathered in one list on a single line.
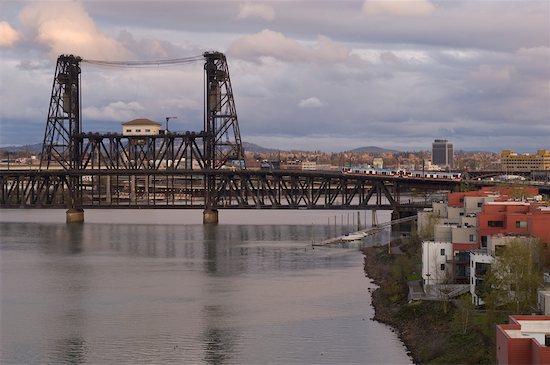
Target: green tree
[(427, 229), (513, 280), (463, 316)]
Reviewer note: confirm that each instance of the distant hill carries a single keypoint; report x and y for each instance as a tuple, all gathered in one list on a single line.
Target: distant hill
[(32, 148), (373, 149), (474, 152), (254, 148)]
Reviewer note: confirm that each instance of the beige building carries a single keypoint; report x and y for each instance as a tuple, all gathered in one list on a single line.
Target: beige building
[(141, 127), (309, 165), (378, 163), (510, 161)]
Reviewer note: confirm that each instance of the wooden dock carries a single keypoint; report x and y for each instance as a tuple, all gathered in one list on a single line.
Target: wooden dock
[(363, 232)]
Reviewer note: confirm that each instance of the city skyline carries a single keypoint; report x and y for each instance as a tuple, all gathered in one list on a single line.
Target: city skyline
[(395, 74)]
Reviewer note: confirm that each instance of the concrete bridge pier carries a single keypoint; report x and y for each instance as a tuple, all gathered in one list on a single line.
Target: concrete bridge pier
[(210, 216), (75, 215)]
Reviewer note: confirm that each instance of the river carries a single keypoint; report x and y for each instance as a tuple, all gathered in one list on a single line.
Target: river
[(156, 286)]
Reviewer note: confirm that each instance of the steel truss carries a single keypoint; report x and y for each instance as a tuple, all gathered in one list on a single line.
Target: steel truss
[(163, 152), (130, 188), (38, 190)]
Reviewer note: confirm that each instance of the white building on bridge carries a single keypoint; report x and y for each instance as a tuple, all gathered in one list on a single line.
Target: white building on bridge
[(141, 127)]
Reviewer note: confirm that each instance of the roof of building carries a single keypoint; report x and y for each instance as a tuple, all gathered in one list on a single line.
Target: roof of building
[(141, 121), (528, 327), (509, 202)]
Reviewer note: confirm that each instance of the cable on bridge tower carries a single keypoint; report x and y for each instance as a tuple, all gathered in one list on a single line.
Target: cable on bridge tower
[(152, 63)]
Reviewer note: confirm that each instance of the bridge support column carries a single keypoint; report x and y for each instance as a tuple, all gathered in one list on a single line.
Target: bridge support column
[(108, 189), (210, 216), (74, 215), (133, 189)]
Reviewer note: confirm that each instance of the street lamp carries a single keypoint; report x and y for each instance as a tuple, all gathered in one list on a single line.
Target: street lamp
[(167, 119)]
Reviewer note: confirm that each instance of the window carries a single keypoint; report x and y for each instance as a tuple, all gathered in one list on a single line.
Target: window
[(472, 238), (442, 267), (495, 224), (521, 224), (138, 130), (147, 130), (484, 241), (442, 252), (479, 204), (461, 200), (128, 130)]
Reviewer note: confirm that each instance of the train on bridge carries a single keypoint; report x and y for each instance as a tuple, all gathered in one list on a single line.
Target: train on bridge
[(402, 173)]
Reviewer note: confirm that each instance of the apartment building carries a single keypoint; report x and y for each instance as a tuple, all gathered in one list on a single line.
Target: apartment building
[(481, 260), (511, 161), (511, 217), (474, 226)]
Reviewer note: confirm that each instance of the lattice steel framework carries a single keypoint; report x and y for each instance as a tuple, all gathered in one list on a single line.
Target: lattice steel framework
[(223, 138), (63, 123), (154, 188), (174, 151)]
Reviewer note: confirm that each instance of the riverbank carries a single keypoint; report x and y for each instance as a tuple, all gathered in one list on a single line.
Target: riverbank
[(433, 332)]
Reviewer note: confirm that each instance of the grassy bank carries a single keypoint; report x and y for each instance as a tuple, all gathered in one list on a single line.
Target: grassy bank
[(434, 332)]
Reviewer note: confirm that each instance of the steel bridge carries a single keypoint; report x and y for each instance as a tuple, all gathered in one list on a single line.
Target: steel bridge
[(202, 169), (239, 189)]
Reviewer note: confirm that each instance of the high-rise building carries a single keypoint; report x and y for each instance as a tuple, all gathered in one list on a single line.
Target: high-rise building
[(442, 153)]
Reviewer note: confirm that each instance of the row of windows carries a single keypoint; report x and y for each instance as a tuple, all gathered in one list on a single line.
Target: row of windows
[(500, 224), (138, 130)]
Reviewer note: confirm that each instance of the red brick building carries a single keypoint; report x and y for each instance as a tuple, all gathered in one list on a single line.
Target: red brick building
[(513, 218), (524, 341), (504, 193)]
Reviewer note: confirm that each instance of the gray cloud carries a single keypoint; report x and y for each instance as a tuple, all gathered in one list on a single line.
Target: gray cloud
[(477, 73)]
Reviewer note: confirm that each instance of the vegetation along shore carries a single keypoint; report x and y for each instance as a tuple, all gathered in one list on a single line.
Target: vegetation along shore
[(435, 332)]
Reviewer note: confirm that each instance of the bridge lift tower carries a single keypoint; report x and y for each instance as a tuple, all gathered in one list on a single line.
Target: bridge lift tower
[(62, 147)]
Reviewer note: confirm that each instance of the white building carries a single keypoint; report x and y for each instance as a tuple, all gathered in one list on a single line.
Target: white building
[(480, 262), (543, 301), (141, 127), (436, 258)]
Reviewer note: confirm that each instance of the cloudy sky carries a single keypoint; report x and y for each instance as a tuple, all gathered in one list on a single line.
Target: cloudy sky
[(317, 75)]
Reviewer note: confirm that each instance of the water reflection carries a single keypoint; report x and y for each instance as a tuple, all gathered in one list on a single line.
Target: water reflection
[(219, 342), (128, 293), (71, 351), (210, 248)]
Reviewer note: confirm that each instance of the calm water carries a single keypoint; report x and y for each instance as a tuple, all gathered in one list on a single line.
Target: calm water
[(159, 287)]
